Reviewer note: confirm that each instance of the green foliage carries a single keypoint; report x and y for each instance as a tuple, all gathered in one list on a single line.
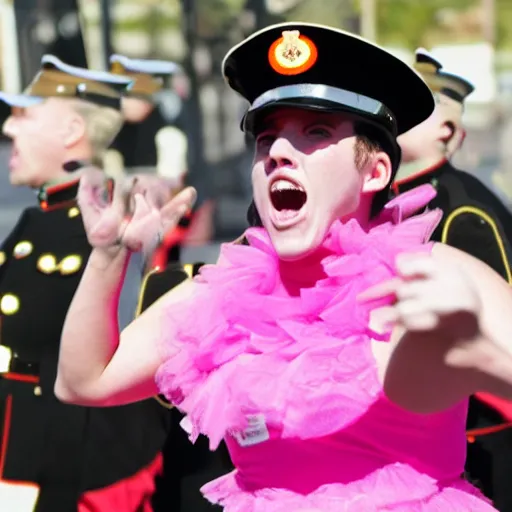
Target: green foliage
[(329, 12), (409, 22), (413, 23), (504, 24), (215, 16)]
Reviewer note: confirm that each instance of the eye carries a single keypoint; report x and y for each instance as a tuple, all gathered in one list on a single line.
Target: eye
[(265, 140), (317, 131)]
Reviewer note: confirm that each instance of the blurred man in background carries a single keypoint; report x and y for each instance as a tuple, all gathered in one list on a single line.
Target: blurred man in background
[(147, 143), (476, 222), (55, 457)]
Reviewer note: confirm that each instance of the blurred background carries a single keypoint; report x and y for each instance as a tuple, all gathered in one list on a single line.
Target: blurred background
[(471, 37)]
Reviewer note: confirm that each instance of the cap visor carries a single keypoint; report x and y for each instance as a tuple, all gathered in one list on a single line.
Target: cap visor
[(20, 100)]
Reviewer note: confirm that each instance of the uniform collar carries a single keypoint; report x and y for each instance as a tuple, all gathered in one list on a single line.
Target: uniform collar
[(52, 196), (427, 175)]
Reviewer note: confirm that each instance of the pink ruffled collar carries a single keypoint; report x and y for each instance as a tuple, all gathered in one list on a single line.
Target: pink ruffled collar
[(249, 346)]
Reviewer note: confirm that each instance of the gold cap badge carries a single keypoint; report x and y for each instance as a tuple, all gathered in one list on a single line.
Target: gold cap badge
[(292, 53)]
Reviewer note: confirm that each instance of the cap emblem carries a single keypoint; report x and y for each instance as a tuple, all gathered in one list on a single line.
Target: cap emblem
[(292, 53)]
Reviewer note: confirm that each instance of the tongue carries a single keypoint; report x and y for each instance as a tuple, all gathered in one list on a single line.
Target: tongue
[(288, 199)]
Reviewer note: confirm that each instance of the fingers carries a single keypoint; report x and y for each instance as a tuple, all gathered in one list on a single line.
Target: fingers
[(178, 206), (415, 265), (91, 182), (142, 230), (116, 195), (413, 315), (156, 190), (412, 270), (380, 291), (415, 295)]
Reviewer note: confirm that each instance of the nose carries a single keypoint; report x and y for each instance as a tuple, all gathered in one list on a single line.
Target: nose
[(281, 154), (8, 127)]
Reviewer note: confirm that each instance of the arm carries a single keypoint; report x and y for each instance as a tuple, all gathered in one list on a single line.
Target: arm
[(97, 365), (428, 370)]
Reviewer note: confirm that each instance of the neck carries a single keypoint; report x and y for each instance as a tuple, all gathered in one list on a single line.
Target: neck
[(408, 169), (303, 273), (62, 176)]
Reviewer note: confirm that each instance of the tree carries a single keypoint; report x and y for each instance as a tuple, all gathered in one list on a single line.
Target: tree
[(410, 23)]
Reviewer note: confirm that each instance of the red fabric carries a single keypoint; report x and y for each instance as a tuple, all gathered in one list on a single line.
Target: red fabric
[(504, 407), (132, 494)]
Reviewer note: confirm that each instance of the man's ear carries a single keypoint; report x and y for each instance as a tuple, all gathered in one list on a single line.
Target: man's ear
[(377, 173), (452, 138), (447, 133), (75, 131)]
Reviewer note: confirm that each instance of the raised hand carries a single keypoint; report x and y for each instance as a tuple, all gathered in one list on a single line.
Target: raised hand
[(134, 213), (428, 294)]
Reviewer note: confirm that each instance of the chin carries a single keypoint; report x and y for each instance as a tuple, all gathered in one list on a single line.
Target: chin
[(293, 245), (16, 181)]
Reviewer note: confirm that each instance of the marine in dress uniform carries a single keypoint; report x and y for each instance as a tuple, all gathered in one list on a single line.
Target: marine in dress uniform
[(476, 222), (56, 457)]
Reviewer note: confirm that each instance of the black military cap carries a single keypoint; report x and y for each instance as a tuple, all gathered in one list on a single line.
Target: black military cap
[(440, 81), (319, 67), (60, 80), (149, 76)]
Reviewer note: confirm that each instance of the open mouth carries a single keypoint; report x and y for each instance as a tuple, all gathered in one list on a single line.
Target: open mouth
[(286, 195), (288, 199)]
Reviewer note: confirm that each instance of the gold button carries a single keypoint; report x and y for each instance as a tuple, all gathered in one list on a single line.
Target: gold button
[(47, 263), (9, 304), (73, 212), (2, 257), (38, 391), (22, 249), (189, 269), (70, 264)]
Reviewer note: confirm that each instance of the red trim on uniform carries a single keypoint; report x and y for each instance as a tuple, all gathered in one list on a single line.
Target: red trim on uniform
[(398, 183), (484, 431), (504, 407), (133, 494), (60, 186), (32, 379), (57, 206), (54, 190), (5, 433)]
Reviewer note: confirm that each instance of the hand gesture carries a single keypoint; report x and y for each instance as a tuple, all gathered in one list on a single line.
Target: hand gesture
[(134, 213), (428, 294)]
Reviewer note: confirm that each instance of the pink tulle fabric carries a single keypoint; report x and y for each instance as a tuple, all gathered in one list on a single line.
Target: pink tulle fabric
[(290, 343)]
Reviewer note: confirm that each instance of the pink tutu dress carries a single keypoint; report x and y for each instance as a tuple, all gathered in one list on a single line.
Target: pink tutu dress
[(276, 359)]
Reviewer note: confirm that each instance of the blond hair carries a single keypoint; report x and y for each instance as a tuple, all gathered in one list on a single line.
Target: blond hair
[(102, 125)]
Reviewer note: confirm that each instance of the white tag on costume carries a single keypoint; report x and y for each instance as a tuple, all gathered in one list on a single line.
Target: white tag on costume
[(18, 496), (255, 433)]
